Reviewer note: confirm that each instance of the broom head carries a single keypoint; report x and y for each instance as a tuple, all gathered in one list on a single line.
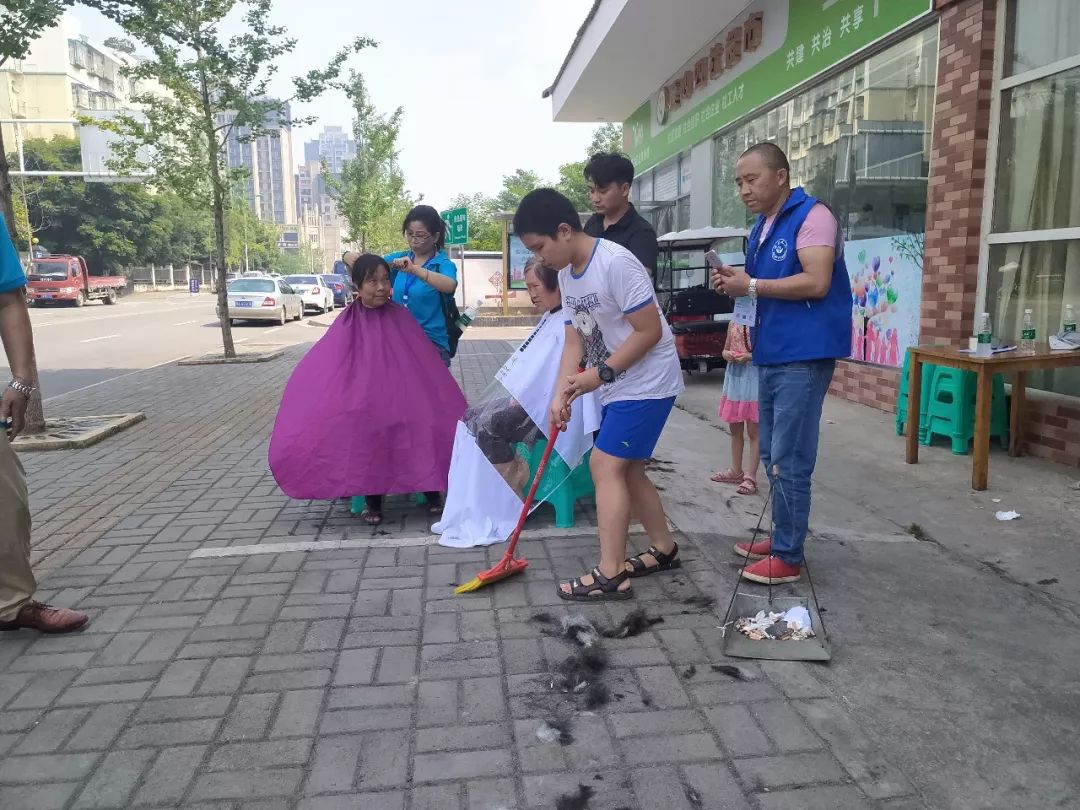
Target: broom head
[(501, 570)]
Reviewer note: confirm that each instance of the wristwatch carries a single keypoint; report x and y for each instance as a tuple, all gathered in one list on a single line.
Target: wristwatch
[(752, 289), (606, 372), (23, 388)]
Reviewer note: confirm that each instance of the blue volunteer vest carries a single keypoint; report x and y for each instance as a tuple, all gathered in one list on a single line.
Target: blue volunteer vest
[(796, 331)]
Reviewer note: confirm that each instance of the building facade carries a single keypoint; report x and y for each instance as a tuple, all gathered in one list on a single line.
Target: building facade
[(333, 146), (64, 74), (269, 186), (944, 133)]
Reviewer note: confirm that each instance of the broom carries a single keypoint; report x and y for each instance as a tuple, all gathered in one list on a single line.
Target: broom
[(508, 565)]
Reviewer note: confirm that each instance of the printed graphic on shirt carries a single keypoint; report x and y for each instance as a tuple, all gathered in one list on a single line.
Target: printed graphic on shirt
[(581, 309)]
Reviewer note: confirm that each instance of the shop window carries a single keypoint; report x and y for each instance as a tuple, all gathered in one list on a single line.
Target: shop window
[(1042, 277), (1046, 32), (860, 142), (1038, 166)]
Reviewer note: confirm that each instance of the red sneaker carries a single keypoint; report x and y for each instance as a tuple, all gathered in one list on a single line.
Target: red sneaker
[(772, 571), (758, 550), (47, 619)]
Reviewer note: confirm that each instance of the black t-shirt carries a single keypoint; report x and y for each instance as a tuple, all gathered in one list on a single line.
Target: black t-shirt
[(633, 232)]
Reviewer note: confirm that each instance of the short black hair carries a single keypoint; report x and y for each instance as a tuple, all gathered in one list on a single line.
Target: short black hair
[(542, 212), (605, 168), (366, 266), (548, 277), (772, 154), (431, 220)]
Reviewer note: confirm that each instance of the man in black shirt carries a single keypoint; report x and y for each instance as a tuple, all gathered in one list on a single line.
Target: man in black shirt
[(609, 176)]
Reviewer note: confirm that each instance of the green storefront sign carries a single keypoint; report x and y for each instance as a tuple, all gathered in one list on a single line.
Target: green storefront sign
[(776, 45)]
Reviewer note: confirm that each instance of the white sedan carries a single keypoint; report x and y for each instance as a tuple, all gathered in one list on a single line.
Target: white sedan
[(263, 299), (316, 293)]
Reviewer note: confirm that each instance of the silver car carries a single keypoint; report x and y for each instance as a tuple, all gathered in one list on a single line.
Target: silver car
[(263, 299)]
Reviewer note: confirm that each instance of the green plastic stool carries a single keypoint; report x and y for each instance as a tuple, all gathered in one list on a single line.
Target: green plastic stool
[(952, 409), (928, 370), (556, 488), (359, 502)]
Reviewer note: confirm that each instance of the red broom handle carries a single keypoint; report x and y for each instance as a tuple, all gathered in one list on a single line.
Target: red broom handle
[(553, 435)]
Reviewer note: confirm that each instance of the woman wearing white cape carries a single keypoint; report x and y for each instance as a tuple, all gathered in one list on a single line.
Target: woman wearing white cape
[(488, 476)]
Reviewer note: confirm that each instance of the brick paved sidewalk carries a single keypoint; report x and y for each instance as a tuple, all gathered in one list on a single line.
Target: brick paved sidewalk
[(352, 677)]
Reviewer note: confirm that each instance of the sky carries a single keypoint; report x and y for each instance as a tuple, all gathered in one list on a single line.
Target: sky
[(469, 75)]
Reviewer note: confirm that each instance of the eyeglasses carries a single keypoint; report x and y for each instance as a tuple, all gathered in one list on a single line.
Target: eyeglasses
[(417, 237)]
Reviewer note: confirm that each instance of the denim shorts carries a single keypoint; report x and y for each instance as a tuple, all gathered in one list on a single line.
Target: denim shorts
[(631, 428)]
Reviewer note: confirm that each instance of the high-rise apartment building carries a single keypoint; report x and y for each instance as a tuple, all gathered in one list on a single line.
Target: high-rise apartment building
[(268, 160), (334, 146)]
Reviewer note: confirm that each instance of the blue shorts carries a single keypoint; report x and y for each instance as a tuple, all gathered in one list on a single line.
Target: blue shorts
[(631, 428)]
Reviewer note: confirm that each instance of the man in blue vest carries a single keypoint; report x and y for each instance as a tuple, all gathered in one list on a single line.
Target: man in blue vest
[(795, 290)]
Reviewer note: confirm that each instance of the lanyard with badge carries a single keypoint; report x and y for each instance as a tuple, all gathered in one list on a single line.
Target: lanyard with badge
[(412, 279)]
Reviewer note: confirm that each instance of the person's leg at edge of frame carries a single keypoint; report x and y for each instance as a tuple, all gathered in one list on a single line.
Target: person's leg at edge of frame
[(17, 581)]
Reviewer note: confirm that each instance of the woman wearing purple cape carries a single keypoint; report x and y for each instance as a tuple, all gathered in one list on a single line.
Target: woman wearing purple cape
[(371, 410)]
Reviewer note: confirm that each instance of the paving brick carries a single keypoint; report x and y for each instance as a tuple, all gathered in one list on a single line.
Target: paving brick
[(334, 765), (252, 755), (50, 796), (677, 748), (384, 760), (54, 727), (121, 650), (170, 776), (437, 703), (43, 689), (353, 720), (664, 686), (442, 797), (393, 800), (105, 693), (794, 679), (324, 635), (178, 732), (51, 662), (455, 738), (45, 767), (18, 720), (180, 678), (660, 787), (397, 664), (225, 676), (299, 713), (221, 649), (249, 718), (482, 700), (460, 765), (194, 708), (356, 667), (846, 797), (785, 727), (715, 786), (162, 646), (247, 784), (114, 780), (485, 794), (637, 724), (281, 681), (358, 696), (121, 674), (284, 637), (739, 733), (298, 661), (790, 770), (102, 727)]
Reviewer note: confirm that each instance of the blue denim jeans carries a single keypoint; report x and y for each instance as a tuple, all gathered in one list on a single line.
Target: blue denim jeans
[(790, 397)]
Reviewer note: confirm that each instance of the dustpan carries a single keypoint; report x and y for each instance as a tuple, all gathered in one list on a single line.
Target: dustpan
[(746, 602)]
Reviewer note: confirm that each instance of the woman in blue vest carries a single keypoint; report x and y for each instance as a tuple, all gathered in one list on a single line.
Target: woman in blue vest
[(796, 289), (424, 274)]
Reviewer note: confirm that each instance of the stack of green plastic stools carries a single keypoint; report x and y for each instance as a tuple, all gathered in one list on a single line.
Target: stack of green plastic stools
[(951, 409), (359, 502), (560, 486), (902, 397)]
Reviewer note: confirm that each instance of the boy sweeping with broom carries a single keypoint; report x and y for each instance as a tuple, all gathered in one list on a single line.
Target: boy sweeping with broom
[(614, 323)]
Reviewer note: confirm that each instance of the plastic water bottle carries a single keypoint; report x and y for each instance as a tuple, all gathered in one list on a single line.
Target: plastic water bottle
[(469, 315), (985, 347), (1068, 323), (1027, 333)]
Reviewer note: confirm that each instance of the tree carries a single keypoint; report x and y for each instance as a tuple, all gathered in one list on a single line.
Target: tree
[(370, 193), (120, 44), (215, 88), (516, 186), (607, 138), (485, 232)]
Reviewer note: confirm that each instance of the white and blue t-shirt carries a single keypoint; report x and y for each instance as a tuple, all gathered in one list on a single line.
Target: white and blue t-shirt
[(615, 284), (12, 276)]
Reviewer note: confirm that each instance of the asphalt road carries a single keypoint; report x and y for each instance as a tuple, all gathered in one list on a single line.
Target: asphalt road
[(77, 348)]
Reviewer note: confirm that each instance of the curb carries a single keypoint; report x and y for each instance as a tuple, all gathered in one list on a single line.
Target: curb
[(99, 429)]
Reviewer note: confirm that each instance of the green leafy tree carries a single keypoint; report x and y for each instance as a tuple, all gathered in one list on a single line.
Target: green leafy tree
[(217, 86), (21, 22), (485, 231), (571, 182), (370, 193), (515, 186)]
